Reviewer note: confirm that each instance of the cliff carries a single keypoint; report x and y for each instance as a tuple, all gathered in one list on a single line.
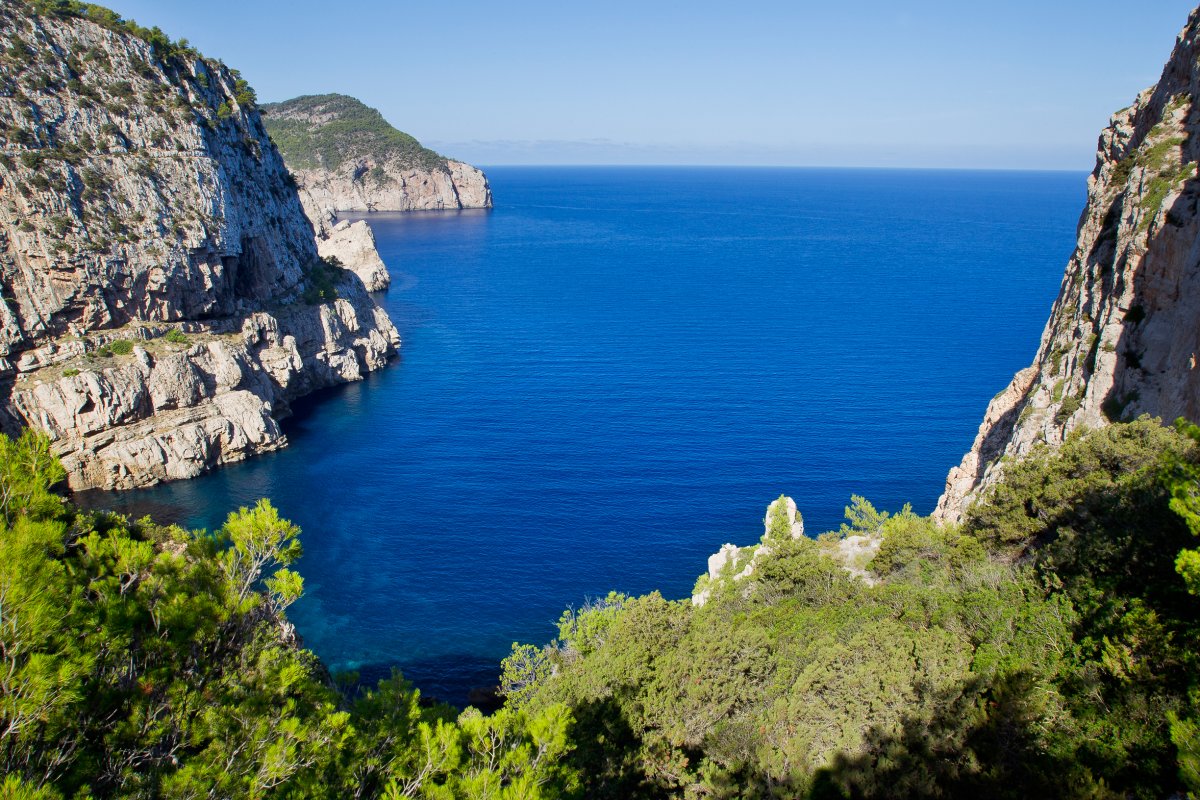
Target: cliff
[(161, 295), (1124, 334), (346, 157)]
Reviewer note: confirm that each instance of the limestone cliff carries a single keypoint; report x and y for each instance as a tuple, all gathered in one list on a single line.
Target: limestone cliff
[(353, 245), (1123, 338), (161, 295), (346, 157)]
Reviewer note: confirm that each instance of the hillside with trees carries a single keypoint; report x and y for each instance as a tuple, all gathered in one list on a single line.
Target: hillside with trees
[(1046, 647)]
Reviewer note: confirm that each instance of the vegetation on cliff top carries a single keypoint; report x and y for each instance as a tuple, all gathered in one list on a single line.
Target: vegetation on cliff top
[(164, 47), (325, 131)]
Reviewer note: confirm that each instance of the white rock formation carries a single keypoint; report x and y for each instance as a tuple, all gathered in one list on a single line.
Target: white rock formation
[(398, 187), (353, 245), (724, 563)]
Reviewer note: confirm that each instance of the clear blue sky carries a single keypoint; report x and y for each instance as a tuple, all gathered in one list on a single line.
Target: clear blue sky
[(1017, 84)]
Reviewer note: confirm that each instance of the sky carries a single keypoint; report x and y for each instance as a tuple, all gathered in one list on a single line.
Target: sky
[(1013, 85)]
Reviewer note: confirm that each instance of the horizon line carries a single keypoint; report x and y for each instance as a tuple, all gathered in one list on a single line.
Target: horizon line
[(593, 165)]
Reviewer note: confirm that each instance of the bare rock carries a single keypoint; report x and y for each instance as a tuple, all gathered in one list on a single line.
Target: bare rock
[(353, 245)]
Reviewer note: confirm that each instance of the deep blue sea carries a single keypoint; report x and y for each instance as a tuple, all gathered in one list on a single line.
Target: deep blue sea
[(613, 372)]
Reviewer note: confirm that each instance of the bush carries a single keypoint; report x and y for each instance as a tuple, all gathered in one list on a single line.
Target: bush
[(322, 277), (176, 336), (121, 347), (71, 372)]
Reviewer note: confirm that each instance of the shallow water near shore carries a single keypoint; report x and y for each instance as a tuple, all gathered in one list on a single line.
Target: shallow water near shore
[(613, 372)]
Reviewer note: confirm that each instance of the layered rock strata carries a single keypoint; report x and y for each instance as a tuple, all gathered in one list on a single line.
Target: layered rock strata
[(1123, 338), (363, 184), (161, 295)]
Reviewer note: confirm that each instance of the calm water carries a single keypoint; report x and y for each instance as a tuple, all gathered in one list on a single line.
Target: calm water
[(613, 373)]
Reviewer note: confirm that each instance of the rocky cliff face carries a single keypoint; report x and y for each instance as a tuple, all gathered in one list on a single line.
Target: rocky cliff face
[(365, 185), (353, 245), (161, 296), (1123, 337), (345, 157)]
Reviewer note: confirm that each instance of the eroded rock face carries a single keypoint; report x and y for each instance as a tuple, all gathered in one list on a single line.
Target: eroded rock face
[(362, 184), (353, 245), (139, 195), (1123, 338)]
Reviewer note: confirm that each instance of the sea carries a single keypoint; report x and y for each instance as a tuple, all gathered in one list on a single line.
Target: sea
[(615, 370)]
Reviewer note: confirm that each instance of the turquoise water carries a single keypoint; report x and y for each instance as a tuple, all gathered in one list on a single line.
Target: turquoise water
[(613, 372)]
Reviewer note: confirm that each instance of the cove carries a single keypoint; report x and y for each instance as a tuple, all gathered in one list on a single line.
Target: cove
[(613, 372)]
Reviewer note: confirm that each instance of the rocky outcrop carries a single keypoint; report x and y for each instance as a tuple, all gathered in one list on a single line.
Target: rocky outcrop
[(1123, 338), (737, 563), (161, 296), (345, 157), (353, 245)]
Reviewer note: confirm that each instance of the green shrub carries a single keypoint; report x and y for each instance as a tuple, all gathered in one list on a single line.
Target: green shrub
[(70, 372), (121, 347), (1070, 405), (322, 277), (176, 336), (121, 89), (243, 94)]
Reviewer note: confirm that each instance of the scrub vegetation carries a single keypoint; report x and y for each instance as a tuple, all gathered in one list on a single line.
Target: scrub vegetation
[(326, 130), (145, 661), (1046, 647)]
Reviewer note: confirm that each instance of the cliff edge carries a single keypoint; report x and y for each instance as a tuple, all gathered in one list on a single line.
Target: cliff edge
[(161, 296), (1123, 338)]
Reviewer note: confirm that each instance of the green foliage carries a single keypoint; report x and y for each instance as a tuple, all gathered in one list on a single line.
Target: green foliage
[(28, 472), (1044, 648), (348, 130), (244, 94), (321, 280), (143, 661), (121, 347), (162, 45), (176, 336), (1070, 405)]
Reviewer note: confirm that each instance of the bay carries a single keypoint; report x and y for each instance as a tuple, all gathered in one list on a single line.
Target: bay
[(614, 371)]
